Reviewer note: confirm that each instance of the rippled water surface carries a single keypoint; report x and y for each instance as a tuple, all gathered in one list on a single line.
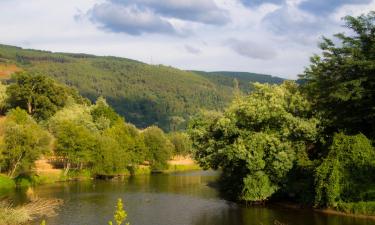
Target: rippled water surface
[(169, 199)]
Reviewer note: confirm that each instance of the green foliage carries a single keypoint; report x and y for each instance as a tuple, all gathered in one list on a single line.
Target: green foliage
[(357, 208), (257, 139), (120, 214), (74, 143), (103, 114), (40, 96), (340, 83), (3, 98), (159, 147), (242, 80), (346, 174), (257, 187), (135, 90), (181, 142), (6, 183), (24, 142)]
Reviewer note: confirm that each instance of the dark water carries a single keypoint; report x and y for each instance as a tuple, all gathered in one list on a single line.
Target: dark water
[(174, 199)]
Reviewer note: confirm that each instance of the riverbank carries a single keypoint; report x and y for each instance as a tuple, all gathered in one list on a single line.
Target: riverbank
[(45, 173)]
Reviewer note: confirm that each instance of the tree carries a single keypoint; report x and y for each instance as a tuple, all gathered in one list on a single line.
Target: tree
[(256, 140), (159, 147), (75, 144), (24, 142), (181, 143), (103, 115), (346, 174), (41, 97), (340, 83)]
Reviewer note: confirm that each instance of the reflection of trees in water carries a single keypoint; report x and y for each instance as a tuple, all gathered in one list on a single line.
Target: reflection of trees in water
[(267, 216), (238, 216)]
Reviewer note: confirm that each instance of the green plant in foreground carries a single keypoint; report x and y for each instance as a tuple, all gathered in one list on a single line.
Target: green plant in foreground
[(120, 214)]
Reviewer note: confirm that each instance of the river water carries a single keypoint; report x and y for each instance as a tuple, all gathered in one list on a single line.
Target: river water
[(169, 199)]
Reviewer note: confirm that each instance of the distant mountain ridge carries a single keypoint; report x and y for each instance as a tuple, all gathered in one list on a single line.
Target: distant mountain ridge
[(244, 79), (144, 94)]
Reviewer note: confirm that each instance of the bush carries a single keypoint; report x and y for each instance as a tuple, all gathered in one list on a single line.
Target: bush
[(346, 172)]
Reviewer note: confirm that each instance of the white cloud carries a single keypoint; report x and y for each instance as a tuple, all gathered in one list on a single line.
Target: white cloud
[(270, 38)]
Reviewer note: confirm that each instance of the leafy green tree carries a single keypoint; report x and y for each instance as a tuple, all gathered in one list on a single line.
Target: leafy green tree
[(175, 122), (159, 147), (340, 82), (181, 142), (256, 140), (115, 151), (40, 96), (346, 174), (76, 113), (24, 141), (75, 144), (103, 115)]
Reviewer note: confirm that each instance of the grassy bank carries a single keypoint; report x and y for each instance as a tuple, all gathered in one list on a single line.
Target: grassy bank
[(181, 168), (357, 208), (6, 184), (56, 175)]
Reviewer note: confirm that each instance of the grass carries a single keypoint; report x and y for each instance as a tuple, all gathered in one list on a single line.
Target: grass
[(357, 208), (180, 168), (6, 182), (17, 215)]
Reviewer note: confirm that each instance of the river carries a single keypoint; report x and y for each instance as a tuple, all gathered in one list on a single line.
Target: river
[(169, 199)]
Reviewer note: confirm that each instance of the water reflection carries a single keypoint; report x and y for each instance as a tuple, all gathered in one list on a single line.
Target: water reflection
[(174, 199)]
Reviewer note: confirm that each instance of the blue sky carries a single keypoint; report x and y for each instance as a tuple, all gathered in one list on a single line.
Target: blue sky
[(265, 36)]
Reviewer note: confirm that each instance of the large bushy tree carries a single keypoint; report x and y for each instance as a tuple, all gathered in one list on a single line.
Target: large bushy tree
[(256, 140), (40, 96)]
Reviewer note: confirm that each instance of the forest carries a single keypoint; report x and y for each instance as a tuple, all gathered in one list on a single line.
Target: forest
[(135, 90), (45, 118), (311, 142)]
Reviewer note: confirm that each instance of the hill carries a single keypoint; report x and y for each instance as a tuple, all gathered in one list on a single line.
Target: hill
[(144, 94), (225, 78)]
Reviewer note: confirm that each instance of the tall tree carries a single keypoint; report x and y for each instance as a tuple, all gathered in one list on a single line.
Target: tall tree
[(341, 81), (40, 96)]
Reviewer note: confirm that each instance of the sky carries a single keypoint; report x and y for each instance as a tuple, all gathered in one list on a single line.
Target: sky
[(274, 37)]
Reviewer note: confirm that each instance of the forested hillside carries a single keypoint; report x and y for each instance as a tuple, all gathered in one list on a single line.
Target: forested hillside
[(144, 94), (226, 79)]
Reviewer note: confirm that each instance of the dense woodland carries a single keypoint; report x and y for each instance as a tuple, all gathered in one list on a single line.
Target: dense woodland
[(43, 117), (144, 94), (311, 143)]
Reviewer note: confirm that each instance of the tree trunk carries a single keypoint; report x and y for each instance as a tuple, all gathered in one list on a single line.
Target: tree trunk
[(67, 169), (11, 173), (29, 107)]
